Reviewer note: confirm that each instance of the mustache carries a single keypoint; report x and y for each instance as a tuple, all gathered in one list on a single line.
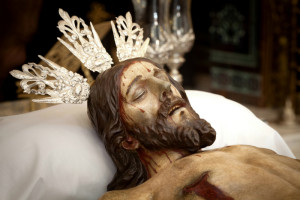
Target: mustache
[(168, 103)]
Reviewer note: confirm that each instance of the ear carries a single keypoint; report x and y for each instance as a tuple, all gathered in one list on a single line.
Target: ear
[(130, 143)]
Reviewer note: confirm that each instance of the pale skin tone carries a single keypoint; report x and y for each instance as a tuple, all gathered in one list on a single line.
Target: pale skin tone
[(143, 88)]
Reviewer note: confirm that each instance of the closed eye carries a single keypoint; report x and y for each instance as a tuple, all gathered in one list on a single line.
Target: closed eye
[(139, 95)]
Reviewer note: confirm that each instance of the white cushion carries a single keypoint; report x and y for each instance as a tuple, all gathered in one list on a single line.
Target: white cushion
[(235, 124), (54, 153)]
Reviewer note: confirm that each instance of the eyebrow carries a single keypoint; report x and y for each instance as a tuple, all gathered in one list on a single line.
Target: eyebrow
[(132, 82)]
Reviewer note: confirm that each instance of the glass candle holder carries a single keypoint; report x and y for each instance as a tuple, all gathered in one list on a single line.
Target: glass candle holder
[(182, 35)]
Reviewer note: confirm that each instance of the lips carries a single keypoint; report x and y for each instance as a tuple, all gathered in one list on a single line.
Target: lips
[(175, 106)]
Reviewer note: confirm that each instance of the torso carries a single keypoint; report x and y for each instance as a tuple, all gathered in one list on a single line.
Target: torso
[(235, 172)]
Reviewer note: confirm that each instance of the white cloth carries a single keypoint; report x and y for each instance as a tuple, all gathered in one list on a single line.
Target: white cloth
[(235, 124), (54, 153)]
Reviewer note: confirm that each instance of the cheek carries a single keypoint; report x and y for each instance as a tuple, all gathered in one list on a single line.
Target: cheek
[(143, 113)]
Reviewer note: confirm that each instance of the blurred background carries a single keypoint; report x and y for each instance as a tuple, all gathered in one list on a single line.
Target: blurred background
[(247, 51)]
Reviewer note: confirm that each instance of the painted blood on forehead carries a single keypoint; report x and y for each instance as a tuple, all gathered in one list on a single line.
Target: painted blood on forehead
[(145, 67), (128, 65)]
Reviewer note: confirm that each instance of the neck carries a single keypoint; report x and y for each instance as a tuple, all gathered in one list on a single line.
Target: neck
[(155, 161)]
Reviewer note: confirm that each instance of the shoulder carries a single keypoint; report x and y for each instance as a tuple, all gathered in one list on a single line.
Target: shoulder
[(228, 152), (239, 156), (109, 195), (238, 151), (140, 192), (115, 195)]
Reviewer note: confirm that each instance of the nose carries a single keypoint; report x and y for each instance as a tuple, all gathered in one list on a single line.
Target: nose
[(165, 90), (160, 87)]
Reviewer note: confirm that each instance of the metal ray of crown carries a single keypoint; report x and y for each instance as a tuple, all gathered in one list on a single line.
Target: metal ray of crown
[(64, 86), (91, 52), (87, 46), (130, 41)]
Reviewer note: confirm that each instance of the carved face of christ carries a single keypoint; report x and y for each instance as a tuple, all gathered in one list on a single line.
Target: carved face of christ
[(143, 88), (155, 113)]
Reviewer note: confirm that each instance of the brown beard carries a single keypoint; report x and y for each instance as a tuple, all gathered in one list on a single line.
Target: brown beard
[(193, 135)]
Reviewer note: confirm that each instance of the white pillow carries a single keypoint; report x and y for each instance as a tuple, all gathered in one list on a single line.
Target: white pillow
[(235, 124), (54, 153)]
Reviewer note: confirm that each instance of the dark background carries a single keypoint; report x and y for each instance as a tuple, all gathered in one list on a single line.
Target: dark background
[(28, 28)]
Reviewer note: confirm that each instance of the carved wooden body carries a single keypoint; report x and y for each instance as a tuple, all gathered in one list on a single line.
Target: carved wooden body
[(234, 172)]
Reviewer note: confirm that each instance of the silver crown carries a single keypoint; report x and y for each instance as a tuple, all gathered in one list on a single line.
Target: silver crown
[(66, 86), (87, 46), (130, 41)]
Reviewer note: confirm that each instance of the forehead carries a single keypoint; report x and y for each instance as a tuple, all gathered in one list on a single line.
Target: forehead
[(141, 68)]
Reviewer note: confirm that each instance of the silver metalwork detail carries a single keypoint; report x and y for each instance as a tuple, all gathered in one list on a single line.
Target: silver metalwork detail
[(159, 49), (61, 85), (64, 86), (129, 40), (87, 46), (183, 43)]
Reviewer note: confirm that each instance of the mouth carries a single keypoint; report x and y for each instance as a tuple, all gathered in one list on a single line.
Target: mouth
[(176, 107)]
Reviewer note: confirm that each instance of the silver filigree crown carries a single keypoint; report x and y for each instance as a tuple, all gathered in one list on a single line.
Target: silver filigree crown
[(64, 86)]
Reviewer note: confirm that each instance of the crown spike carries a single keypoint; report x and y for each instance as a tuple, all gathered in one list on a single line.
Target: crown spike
[(85, 44), (70, 48), (96, 36), (61, 85), (129, 38)]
